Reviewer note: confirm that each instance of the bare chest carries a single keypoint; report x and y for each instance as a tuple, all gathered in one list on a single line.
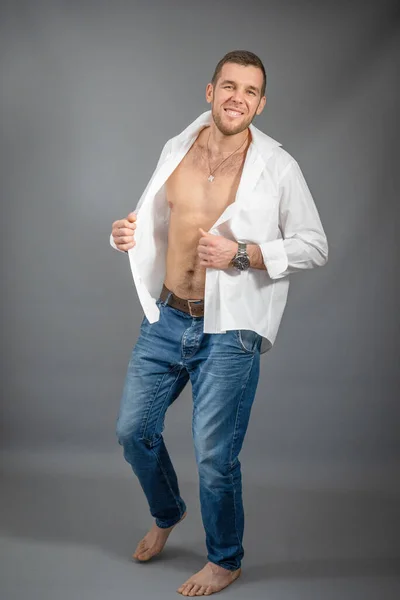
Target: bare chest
[(192, 197)]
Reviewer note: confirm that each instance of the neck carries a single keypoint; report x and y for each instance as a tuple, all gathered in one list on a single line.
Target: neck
[(220, 143)]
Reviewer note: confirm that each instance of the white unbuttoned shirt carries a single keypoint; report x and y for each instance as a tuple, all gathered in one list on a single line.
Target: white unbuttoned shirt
[(273, 208)]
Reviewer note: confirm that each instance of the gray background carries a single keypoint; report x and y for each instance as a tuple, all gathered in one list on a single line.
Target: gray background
[(90, 92)]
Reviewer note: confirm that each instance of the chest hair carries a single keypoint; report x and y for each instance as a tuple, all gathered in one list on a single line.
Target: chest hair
[(197, 159)]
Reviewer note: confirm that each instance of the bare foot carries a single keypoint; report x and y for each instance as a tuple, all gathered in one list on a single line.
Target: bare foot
[(209, 580), (153, 542)]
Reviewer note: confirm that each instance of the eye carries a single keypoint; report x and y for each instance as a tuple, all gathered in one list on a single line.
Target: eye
[(251, 92)]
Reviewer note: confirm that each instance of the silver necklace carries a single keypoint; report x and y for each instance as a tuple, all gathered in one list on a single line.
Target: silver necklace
[(211, 175)]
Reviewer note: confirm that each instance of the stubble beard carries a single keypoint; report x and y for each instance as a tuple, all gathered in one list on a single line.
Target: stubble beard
[(234, 130)]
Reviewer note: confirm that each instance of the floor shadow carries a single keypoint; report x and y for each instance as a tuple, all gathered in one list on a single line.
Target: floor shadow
[(325, 569), (289, 533), (109, 512)]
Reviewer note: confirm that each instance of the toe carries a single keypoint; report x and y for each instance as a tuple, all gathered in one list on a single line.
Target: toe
[(182, 587), (140, 547), (201, 591), (194, 589), (187, 589), (144, 553)]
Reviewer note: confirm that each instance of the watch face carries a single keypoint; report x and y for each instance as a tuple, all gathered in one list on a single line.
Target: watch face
[(242, 262)]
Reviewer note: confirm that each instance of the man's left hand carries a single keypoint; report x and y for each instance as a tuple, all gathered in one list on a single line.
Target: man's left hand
[(215, 251)]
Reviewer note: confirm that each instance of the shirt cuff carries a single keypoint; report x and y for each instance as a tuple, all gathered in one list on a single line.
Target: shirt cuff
[(274, 257)]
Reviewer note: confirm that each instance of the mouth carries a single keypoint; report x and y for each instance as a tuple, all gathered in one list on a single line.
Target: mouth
[(233, 113)]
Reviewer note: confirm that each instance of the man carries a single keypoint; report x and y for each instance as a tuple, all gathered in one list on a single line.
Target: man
[(224, 220)]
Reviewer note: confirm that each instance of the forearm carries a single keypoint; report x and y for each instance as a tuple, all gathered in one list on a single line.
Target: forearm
[(255, 256), (303, 244), (288, 256), (285, 256)]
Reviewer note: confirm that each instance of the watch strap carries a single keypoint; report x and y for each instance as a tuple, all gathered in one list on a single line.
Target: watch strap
[(241, 251)]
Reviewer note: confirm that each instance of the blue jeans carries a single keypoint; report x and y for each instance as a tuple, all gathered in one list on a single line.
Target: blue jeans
[(224, 371)]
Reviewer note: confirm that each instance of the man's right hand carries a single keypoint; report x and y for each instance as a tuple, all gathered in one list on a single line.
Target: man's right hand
[(123, 232)]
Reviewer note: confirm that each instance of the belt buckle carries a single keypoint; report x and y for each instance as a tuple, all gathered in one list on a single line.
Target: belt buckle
[(190, 308)]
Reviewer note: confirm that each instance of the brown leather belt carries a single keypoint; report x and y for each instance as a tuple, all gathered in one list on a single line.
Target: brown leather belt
[(195, 308)]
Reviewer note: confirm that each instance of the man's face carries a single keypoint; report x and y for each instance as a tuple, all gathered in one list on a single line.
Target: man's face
[(236, 97)]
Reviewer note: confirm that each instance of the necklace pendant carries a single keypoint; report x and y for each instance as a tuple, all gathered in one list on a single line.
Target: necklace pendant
[(211, 178)]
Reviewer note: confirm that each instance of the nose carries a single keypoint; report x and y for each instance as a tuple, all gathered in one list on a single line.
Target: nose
[(237, 96)]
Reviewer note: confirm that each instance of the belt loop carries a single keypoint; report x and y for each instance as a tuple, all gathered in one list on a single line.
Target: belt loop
[(169, 294), (190, 307), (168, 297)]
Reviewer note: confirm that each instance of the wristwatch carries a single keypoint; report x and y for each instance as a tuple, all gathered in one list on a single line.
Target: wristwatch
[(241, 260)]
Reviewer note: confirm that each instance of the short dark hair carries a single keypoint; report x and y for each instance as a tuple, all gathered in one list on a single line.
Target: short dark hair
[(241, 57)]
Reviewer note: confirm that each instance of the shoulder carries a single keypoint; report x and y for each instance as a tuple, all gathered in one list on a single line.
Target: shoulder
[(277, 160), (282, 158), (270, 149)]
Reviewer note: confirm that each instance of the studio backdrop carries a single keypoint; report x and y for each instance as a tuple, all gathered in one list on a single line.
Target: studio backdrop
[(90, 93)]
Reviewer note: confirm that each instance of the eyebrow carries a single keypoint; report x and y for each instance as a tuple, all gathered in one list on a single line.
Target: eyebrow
[(250, 87)]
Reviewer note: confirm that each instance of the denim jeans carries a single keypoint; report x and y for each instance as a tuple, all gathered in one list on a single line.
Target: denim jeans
[(224, 371)]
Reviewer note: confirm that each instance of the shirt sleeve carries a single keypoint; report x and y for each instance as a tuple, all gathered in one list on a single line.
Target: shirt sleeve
[(163, 156), (303, 244)]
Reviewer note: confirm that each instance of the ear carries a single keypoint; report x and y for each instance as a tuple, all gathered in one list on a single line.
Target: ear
[(209, 92), (260, 108)]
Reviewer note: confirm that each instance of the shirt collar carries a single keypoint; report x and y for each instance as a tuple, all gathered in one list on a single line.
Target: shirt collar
[(262, 142)]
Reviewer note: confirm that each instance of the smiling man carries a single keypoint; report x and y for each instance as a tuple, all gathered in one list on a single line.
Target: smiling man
[(225, 219)]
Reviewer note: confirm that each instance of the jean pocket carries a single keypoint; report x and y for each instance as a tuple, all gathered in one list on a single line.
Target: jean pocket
[(249, 340)]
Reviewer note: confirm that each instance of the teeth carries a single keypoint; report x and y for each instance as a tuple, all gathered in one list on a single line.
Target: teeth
[(233, 113)]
